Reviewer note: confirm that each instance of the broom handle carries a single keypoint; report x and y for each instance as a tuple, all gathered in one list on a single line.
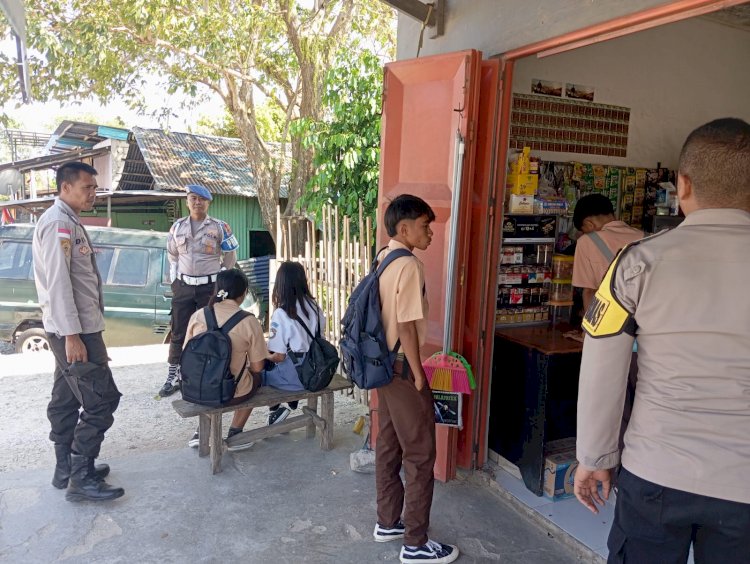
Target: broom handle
[(458, 160)]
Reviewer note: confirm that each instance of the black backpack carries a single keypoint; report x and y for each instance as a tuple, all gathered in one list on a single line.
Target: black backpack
[(319, 363), (204, 364), (367, 360)]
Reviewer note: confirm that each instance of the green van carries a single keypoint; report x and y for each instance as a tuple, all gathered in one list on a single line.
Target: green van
[(135, 274)]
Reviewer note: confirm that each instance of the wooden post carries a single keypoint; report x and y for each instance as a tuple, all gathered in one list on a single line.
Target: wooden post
[(326, 412), (312, 403), (204, 430), (279, 235), (217, 443), (337, 267)]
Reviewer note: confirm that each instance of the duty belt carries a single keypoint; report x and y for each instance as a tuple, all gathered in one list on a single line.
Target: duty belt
[(198, 280)]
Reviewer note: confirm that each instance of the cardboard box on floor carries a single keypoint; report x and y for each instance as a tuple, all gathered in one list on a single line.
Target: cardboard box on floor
[(559, 468), (559, 471)]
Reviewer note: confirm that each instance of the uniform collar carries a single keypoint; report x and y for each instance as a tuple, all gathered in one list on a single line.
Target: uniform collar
[(227, 304), (614, 225), (717, 216), (393, 245), (206, 220), (66, 209)]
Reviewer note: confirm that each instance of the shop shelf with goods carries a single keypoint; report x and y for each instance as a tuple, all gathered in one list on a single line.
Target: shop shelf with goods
[(524, 273)]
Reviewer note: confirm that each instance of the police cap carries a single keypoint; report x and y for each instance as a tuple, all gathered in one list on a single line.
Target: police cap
[(198, 190)]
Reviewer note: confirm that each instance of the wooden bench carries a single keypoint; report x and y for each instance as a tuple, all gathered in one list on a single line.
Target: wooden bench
[(209, 419)]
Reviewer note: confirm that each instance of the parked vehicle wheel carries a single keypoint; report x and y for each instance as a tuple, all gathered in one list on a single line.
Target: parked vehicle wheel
[(32, 340)]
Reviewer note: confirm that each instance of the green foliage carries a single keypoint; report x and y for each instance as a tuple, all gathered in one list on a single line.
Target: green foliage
[(347, 141), (223, 127), (270, 122), (266, 59)]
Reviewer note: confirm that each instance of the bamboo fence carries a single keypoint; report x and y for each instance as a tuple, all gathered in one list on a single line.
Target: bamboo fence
[(334, 261)]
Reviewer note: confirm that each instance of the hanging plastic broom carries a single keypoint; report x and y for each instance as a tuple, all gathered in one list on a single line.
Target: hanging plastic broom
[(446, 370)]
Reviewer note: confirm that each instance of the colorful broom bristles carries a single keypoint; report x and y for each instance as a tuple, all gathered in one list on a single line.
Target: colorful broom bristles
[(449, 372)]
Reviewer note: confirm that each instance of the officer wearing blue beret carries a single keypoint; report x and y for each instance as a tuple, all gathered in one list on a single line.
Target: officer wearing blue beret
[(199, 246)]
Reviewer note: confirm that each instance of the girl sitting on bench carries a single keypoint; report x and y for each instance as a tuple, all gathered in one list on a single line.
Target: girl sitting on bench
[(248, 345)]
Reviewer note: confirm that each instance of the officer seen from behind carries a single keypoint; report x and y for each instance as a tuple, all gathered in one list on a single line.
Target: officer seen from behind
[(199, 246), (684, 294)]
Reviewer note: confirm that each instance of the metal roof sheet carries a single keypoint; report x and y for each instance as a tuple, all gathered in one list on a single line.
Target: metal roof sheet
[(177, 159)]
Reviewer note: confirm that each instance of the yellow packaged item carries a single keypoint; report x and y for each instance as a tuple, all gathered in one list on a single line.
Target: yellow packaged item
[(522, 184)]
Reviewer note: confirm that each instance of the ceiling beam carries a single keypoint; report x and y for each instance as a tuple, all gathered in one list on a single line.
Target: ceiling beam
[(419, 11)]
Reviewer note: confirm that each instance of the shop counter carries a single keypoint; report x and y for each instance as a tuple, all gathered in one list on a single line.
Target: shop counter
[(534, 395)]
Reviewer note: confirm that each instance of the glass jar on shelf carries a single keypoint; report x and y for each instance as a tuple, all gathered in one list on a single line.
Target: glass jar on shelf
[(562, 291), (562, 267)]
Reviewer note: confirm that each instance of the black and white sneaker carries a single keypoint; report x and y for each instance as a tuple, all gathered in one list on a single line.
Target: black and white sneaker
[(385, 534), (432, 552), (278, 415), (172, 384), (194, 440), (236, 447)]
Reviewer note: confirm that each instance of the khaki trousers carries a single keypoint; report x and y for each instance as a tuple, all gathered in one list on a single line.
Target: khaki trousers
[(406, 436)]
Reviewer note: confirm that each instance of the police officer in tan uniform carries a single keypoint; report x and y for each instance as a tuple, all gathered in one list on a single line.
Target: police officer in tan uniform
[(84, 395), (683, 293), (199, 246)]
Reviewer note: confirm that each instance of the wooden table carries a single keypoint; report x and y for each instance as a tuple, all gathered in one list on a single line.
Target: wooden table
[(534, 395)]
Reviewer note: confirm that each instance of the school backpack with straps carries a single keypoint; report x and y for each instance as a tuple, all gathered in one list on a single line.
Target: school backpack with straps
[(204, 364), (319, 363), (367, 360)]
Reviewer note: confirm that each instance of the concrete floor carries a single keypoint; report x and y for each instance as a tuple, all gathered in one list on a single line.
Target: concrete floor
[(283, 500)]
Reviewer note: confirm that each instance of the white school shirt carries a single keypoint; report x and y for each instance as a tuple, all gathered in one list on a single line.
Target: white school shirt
[(286, 332)]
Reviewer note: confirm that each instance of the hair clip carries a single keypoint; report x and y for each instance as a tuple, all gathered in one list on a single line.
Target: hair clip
[(221, 294)]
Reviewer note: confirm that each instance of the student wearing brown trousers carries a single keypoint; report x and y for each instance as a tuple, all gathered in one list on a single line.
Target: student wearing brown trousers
[(406, 434)]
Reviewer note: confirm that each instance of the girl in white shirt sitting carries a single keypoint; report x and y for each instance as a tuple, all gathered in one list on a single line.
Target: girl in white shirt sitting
[(288, 341)]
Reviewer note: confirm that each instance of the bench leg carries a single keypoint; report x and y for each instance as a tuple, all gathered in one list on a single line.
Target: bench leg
[(204, 428), (312, 403), (326, 412), (217, 443)]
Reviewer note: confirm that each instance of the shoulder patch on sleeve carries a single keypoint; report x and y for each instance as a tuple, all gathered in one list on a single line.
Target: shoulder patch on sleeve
[(606, 316), (228, 240)]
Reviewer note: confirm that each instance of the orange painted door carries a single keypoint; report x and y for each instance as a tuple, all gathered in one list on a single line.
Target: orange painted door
[(427, 102), (481, 267)]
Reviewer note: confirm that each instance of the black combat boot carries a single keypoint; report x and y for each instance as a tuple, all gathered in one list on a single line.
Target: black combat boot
[(62, 469), (85, 485)]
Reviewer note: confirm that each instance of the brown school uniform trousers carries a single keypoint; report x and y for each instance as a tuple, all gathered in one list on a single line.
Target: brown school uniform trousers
[(406, 436)]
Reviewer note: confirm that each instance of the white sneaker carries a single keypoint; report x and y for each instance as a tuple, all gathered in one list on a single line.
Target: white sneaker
[(431, 552), (194, 440)]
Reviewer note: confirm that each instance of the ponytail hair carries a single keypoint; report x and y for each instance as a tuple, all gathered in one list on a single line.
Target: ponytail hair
[(230, 284)]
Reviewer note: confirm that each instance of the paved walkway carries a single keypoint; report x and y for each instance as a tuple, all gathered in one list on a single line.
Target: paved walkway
[(283, 500)]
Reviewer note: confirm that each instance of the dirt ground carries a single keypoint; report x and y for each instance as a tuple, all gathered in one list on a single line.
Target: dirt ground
[(143, 422)]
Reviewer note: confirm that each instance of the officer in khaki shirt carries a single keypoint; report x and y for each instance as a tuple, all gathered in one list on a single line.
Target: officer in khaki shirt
[(406, 417), (683, 293), (198, 247), (70, 295)]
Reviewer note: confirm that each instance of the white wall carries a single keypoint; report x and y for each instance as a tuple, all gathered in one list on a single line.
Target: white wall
[(673, 78), (496, 26)]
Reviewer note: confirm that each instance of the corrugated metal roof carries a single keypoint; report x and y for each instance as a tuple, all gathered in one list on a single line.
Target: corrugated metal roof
[(81, 135), (177, 159)]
